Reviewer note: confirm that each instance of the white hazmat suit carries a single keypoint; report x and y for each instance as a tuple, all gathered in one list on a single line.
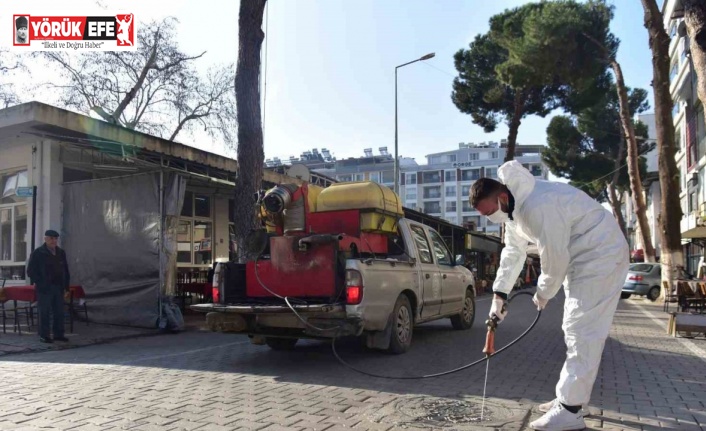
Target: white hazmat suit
[(581, 245)]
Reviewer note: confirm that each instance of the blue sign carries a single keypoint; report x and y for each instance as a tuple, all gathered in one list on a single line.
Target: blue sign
[(24, 192)]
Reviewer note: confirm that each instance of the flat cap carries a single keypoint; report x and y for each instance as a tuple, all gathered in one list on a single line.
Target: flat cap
[(51, 233)]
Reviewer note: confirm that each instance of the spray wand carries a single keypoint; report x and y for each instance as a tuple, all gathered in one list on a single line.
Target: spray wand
[(489, 349)]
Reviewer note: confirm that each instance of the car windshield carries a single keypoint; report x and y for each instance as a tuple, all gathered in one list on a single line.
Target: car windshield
[(641, 267)]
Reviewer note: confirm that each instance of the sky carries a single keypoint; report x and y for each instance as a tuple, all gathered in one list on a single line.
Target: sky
[(330, 64)]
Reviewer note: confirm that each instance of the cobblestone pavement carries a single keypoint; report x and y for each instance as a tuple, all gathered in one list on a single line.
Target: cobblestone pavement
[(206, 381)]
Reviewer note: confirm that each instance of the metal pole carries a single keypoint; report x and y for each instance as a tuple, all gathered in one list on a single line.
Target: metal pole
[(397, 159), (397, 156), (34, 216)]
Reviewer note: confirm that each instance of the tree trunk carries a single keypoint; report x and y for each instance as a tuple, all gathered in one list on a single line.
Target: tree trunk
[(617, 210), (514, 126), (671, 213), (695, 19), (638, 196), (250, 142), (615, 203)]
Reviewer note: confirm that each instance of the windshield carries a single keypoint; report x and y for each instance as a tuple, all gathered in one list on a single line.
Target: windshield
[(641, 267)]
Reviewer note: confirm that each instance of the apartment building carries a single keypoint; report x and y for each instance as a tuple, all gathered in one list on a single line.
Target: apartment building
[(690, 130), (441, 187)]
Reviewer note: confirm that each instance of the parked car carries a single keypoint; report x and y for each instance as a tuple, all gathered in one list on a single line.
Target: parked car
[(643, 279)]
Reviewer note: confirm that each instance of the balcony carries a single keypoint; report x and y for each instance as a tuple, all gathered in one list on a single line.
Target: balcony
[(693, 225)]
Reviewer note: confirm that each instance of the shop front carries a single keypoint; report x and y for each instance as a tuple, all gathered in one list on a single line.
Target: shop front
[(142, 219)]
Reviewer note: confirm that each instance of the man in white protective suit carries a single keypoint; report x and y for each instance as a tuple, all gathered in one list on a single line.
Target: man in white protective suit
[(580, 245)]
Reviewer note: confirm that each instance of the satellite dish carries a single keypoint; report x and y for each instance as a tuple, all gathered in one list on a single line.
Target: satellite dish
[(299, 171)]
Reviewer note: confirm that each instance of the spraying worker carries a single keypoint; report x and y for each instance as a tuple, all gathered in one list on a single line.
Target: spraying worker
[(578, 241)]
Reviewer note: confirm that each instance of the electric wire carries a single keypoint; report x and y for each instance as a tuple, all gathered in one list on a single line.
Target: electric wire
[(443, 373)]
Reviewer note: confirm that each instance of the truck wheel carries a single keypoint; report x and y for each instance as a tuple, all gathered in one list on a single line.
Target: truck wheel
[(464, 320), (653, 294), (277, 343), (402, 326), (625, 295)]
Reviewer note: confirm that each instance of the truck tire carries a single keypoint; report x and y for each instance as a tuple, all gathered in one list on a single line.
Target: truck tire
[(464, 320), (277, 343), (402, 326)]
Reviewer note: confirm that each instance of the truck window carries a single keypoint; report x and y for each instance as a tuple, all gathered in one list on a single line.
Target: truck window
[(443, 257), (420, 238)]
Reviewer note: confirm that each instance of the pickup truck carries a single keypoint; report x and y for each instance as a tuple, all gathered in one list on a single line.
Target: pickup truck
[(382, 298)]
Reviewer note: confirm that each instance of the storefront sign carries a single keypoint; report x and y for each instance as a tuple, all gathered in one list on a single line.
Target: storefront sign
[(462, 164), (24, 192)]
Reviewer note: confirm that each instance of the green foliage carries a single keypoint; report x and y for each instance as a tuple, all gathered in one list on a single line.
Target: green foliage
[(583, 148), (540, 53)]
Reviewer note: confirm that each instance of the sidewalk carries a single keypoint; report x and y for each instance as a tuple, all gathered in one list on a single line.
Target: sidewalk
[(83, 335)]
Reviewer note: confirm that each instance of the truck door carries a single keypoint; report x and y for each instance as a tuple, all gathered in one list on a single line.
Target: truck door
[(453, 289), (430, 278)]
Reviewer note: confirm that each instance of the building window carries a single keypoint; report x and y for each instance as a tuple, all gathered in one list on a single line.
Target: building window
[(673, 71), (432, 207), (673, 29), (411, 178), (431, 177), (473, 156), (374, 176), (467, 207), (13, 234), (388, 177), (450, 176), (465, 191), (450, 191), (13, 226), (344, 178), (410, 196), (202, 206), (195, 230), (491, 172), (432, 192), (450, 158), (10, 182), (692, 202), (678, 140), (675, 109), (450, 206), (434, 160), (470, 174), (494, 155), (452, 219), (474, 220)]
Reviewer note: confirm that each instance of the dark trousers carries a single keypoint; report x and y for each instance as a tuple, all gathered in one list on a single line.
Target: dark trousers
[(51, 309)]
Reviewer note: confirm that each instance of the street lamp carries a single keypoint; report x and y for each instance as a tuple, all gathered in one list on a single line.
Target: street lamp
[(397, 157)]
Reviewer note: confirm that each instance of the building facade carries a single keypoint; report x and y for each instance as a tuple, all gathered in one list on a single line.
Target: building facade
[(442, 186), (690, 134)]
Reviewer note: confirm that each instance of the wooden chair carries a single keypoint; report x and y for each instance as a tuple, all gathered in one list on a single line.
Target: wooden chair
[(12, 311), (684, 295), (669, 296)]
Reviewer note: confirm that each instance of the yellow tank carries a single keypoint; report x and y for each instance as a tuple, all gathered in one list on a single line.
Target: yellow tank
[(363, 195)]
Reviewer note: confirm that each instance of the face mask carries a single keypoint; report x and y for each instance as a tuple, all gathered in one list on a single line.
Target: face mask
[(499, 216)]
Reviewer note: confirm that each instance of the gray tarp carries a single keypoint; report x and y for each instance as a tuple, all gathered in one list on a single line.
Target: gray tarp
[(111, 236), (174, 191)]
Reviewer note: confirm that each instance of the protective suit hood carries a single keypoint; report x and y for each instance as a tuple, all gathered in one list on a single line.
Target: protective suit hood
[(518, 179)]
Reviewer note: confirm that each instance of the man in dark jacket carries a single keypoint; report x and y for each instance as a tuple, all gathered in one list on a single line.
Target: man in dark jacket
[(49, 271)]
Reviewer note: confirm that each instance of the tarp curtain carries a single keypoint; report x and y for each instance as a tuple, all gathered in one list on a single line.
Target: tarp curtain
[(111, 236), (174, 191)]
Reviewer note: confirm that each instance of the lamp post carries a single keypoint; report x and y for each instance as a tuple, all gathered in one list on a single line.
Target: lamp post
[(397, 157)]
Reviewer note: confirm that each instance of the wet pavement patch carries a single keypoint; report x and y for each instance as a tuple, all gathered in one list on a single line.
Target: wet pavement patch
[(453, 413)]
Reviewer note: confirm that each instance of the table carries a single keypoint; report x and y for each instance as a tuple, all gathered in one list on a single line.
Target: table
[(28, 294)]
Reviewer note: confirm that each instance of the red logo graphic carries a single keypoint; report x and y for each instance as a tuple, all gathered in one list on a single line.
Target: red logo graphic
[(116, 30)]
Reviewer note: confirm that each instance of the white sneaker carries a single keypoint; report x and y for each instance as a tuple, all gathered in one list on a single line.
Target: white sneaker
[(559, 419), (544, 408)]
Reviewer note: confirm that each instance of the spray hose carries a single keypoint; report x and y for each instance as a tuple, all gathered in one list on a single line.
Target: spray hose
[(489, 350)]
